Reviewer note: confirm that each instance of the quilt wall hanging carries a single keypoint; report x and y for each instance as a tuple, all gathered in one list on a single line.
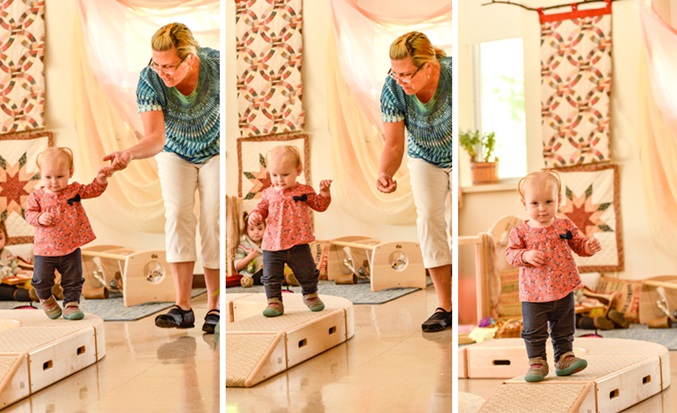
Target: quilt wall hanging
[(18, 177), (22, 52), (253, 175), (269, 55), (591, 199), (576, 86)]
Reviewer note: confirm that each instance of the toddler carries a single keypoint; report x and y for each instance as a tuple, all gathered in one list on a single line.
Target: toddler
[(248, 255), (289, 229), (548, 276), (61, 228), (9, 267)]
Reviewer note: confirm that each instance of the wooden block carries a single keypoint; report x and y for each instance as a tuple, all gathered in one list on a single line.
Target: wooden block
[(462, 364), (311, 339), (336, 269), (147, 278), (484, 362), (629, 386), (397, 265), (61, 358), (14, 378)]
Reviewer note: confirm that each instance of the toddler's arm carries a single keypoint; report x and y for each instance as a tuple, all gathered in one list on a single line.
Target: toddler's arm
[(241, 260), (103, 174), (254, 218), (325, 186), (593, 246)]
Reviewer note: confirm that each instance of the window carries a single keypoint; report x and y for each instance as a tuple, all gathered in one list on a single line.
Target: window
[(500, 102)]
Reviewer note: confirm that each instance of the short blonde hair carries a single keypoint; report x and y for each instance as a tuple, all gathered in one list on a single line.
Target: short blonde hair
[(288, 151), (417, 46), (547, 177), (58, 153), (175, 36)]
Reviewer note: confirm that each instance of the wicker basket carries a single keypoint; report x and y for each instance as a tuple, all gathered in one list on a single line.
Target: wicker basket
[(484, 172)]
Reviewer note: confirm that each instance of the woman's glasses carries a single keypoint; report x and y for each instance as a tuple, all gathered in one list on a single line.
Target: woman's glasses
[(406, 78), (168, 69)]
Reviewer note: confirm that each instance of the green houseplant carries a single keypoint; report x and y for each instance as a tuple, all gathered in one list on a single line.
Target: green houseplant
[(480, 146)]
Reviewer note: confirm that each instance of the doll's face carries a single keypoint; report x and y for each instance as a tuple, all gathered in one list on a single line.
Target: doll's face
[(255, 232)]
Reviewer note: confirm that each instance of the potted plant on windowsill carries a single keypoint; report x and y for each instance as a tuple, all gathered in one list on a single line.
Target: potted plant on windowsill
[(480, 147)]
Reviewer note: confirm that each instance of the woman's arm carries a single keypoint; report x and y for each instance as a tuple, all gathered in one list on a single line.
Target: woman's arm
[(150, 145), (391, 157)]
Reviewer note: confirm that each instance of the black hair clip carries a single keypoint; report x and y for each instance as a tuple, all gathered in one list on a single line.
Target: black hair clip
[(566, 236), (76, 198), (302, 198)]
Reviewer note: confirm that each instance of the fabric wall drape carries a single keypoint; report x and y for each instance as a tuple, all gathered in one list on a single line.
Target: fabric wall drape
[(109, 38), (657, 137), (357, 66)]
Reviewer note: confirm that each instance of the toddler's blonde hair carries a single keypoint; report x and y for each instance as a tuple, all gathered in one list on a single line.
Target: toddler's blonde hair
[(546, 177), (59, 153), (287, 151)]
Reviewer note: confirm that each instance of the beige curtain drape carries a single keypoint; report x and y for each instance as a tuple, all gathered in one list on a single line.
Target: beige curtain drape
[(133, 199), (354, 84), (657, 137)]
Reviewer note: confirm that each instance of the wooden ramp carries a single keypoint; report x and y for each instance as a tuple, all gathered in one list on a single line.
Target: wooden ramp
[(36, 352), (620, 373), (258, 347)]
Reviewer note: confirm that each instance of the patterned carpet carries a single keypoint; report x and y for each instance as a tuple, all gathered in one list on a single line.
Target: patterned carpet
[(359, 293), (110, 309), (663, 336)]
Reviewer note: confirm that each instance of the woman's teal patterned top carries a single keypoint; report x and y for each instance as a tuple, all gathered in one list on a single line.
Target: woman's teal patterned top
[(428, 124), (191, 122)]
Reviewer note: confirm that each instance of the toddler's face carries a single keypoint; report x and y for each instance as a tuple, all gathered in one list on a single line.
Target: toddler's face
[(55, 173), (541, 202), (3, 240), (255, 232), (283, 171)]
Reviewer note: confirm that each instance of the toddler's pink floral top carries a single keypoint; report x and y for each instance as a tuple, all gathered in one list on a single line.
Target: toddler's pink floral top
[(288, 220), (72, 229), (559, 275)]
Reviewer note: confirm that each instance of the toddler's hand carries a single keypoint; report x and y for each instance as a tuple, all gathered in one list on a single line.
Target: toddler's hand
[(593, 246), (325, 184), (46, 219), (534, 257), (385, 183), (254, 218)]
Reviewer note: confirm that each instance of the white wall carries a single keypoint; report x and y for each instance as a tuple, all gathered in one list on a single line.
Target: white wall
[(334, 222), (643, 257), (59, 110)]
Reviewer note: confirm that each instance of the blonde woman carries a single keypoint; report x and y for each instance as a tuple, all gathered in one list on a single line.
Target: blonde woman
[(178, 98), (416, 98)]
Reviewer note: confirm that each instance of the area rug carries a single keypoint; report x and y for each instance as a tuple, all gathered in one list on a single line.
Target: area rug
[(664, 336), (111, 309), (359, 293)]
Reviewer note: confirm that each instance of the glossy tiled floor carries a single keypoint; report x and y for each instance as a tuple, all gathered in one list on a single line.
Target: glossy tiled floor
[(664, 402), (146, 369), (390, 365)]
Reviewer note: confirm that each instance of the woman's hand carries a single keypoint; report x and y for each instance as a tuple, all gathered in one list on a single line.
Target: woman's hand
[(385, 183), (118, 159)]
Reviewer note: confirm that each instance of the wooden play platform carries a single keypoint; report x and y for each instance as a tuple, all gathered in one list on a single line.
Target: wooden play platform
[(36, 351), (386, 264), (620, 373), (258, 347), (141, 276)]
